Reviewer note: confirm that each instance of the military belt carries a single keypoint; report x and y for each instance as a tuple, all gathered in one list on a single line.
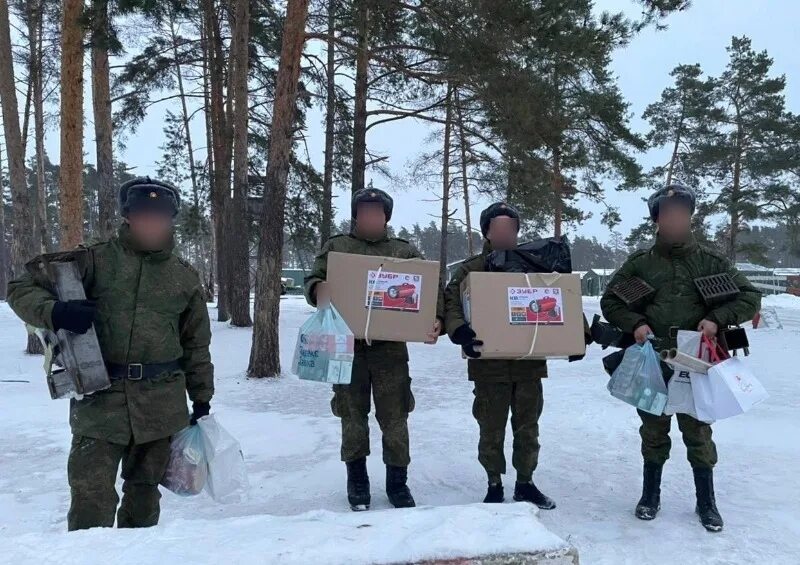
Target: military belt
[(139, 371)]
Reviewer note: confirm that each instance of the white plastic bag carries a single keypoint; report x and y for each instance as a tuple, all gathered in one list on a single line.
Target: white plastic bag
[(227, 475), (324, 350), (680, 395), (187, 470), (639, 381), (730, 388)]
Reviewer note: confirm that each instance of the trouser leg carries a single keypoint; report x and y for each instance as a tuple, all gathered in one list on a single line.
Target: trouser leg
[(391, 391), (143, 467), (526, 408), (490, 408), (700, 448), (656, 442), (92, 474), (351, 403)]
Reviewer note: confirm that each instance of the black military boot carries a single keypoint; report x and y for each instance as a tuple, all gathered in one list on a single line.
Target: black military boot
[(706, 504), (358, 485), (495, 494), (396, 487), (527, 492), (650, 503)]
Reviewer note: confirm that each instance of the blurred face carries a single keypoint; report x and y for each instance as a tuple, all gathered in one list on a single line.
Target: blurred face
[(502, 233), (151, 230), (674, 221), (370, 219)]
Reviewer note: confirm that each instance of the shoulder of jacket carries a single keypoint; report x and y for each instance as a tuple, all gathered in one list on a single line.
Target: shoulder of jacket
[(472, 262), (334, 239), (713, 253), (93, 243), (401, 240), (188, 267)]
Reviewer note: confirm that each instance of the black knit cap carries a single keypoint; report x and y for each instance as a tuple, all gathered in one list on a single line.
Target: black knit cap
[(372, 195), (144, 193), (673, 193), (495, 210)]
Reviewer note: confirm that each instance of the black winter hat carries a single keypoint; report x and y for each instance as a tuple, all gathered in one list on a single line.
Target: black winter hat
[(372, 195), (497, 209), (673, 193), (144, 193)]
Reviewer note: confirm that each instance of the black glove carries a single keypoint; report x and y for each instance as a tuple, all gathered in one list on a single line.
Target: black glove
[(465, 337), (75, 316), (199, 409)]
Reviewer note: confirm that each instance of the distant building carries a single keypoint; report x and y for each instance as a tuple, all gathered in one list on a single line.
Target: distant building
[(769, 280), (293, 277), (595, 281)]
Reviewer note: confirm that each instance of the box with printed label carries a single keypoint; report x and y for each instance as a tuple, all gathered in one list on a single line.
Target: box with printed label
[(525, 316), (384, 298)]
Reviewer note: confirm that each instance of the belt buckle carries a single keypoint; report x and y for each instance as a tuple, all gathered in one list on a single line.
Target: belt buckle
[(131, 373)]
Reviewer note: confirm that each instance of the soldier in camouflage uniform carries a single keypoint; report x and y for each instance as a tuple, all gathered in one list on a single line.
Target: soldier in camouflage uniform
[(149, 312), (500, 385), (670, 267), (379, 369)]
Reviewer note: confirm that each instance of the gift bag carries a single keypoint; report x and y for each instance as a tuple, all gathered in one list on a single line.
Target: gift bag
[(324, 350), (227, 476), (730, 388), (187, 469), (639, 381)]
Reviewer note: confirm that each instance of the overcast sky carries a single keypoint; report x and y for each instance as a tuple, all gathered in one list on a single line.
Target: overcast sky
[(698, 35)]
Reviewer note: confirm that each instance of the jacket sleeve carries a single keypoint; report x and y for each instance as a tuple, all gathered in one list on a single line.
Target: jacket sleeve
[(319, 273), (742, 308), (614, 309), (32, 297), (195, 335), (453, 303)]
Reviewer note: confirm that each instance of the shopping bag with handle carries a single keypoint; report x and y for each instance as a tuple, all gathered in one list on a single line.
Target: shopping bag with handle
[(639, 381), (187, 469), (325, 346), (227, 477), (730, 388)]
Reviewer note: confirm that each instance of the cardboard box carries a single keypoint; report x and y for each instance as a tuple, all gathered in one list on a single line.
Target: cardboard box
[(505, 310), (402, 294)]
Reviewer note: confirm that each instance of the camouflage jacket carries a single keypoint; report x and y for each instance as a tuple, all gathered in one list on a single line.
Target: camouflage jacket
[(383, 247), (150, 309), (500, 370), (676, 302)]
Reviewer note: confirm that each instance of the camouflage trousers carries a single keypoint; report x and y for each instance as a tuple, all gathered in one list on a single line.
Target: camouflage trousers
[(656, 443), (493, 401), (92, 473), (384, 379)]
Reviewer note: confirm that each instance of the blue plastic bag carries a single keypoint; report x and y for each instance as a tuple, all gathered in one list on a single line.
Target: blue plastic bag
[(639, 381), (187, 470), (324, 350)]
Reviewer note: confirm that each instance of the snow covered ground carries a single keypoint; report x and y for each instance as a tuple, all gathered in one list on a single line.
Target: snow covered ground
[(590, 464)]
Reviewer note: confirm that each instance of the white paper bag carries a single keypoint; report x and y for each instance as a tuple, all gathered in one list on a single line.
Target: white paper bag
[(680, 397), (730, 388)]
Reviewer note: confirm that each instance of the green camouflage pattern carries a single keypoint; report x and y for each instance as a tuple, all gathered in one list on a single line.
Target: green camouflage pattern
[(92, 474), (385, 378), (493, 401), (497, 370), (671, 270), (380, 370), (656, 443), (150, 309)]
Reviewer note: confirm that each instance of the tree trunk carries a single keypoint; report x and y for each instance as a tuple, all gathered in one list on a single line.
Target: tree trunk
[(464, 178), (4, 259), (38, 112), (330, 118), (101, 105), (265, 358), (735, 196), (184, 110), (360, 103), (445, 188), (222, 161), (238, 243), (210, 174), (675, 147), (22, 241), (557, 185), (71, 173)]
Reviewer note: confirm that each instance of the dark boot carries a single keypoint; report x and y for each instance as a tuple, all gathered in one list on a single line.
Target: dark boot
[(358, 485), (650, 503), (706, 504), (527, 492), (495, 494), (396, 487)]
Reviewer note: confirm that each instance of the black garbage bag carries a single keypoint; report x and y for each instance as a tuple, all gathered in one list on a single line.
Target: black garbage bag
[(550, 255)]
